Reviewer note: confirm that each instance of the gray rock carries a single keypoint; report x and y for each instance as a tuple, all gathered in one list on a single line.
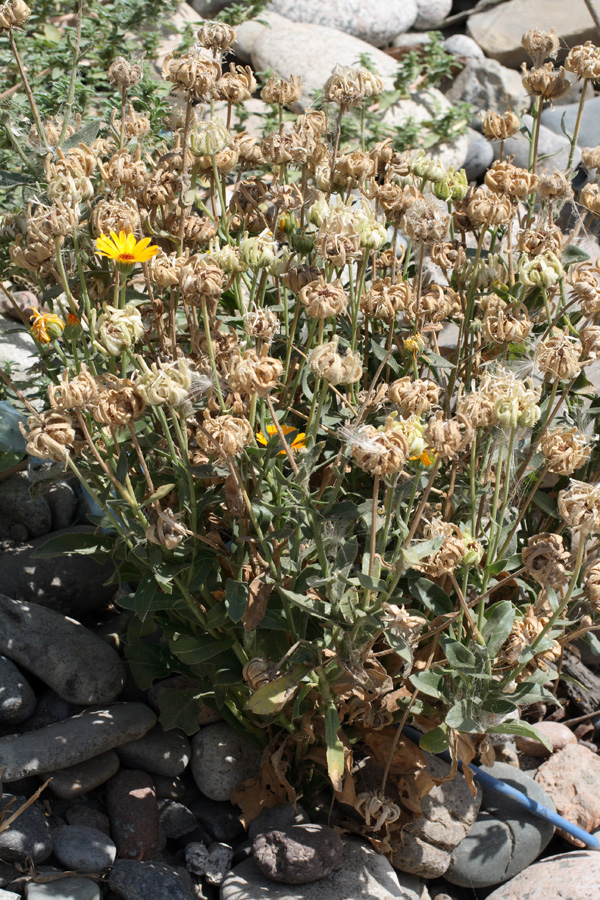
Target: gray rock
[(421, 107), (17, 700), (17, 347), (73, 740), (159, 752), (553, 149), (411, 39), (62, 501), (463, 45), (574, 876), (28, 835), (299, 854), (277, 818), (365, 875), (84, 850), (88, 816), (589, 132), (506, 838), (218, 818), (135, 880), (196, 857), (378, 23), (17, 506), (480, 156), (50, 708), (83, 777), (209, 8), (221, 758), (176, 819), (70, 583), (486, 84), (9, 895), (213, 862), (431, 13), (7, 874), (169, 788), (69, 658), (64, 889)]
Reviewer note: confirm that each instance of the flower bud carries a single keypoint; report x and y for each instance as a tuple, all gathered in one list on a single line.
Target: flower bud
[(209, 138)]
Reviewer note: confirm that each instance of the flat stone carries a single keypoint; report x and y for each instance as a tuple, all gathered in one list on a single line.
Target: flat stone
[(73, 740), (83, 777), (431, 13), (365, 875), (572, 779), (70, 584), (50, 708), (377, 23), (160, 752), (18, 507), (558, 735), (298, 854), (64, 889), (17, 699), (221, 758), (506, 838), (135, 880), (65, 655), (133, 813), (464, 46), (499, 30), (568, 876), (28, 836), (84, 850), (176, 819), (589, 131), (209, 8)]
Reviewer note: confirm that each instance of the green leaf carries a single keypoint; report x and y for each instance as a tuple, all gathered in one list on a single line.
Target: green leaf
[(217, 616), (499, 620), (159, 493), (429, 683), (465, 716), (147, 663), (271, 698), (318, 608), (192, 650), (179, 708), (431, 596), (85, 135), (236, 599), (158, 602), (523, 729), (399, 645), (439, 362), (545, 503), (505, 565), (418, 551), (436, 740), (14, 179), (572, 254), (335, 748), (144, 594), (458, 655), (51, 33), (74, 542)]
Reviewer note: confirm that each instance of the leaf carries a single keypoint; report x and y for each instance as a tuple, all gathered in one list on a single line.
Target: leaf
[(499, 620), (147, 663), (335, 748), (523, 729), (439, 362), (144, 595), (505, 565), (236, 599), (421, 549), (436, 740), (74, 542), (318, 608), (192, 649), (431, 596), (545, 503), (85, 135), (572, 254), (259, 592), (465, 716), (271, 698), (180, 708), (14, 179), (458, 655), (159, 493), (399, 645), (428, 683)]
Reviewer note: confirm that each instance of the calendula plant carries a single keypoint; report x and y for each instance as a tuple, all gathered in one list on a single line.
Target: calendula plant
[(334, 521)]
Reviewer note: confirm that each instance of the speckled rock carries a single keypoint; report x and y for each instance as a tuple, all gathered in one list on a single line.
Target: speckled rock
[(486, 84), (28, 836), (17, 506), (64, 889), (133, 813), (277, 817), (558, 735), (69, 658), (553, 150), (88, 817), (221, 758), (568, 876), (73, 740), (431, 13), (298, 854), (84, 777), (377, 23), (84, 850), (572, 778), (17, 699), (133, 880), (176, 819), (212, 862), (160, 752), (9, 895)]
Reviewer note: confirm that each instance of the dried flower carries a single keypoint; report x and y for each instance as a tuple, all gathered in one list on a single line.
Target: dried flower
[(380, 451), (503, 324), (348, 86), (115, 216), (282, 92), (79, 392), (254, 374), (504, 178), (486, 208), (46, 327), (235, 86), (119, 403), (323, 299), (52, 435), (413, 397), (13, 14), (124, 74), (591, 584), (167, 529), (579, 507), (559, 356), (590, 198), (523, 634), (165, 270), (499, 128), (546, 81), (118, 329), (216, 35), (584, 61), (425, 222), (196, 72), (565, 450), (448, 437), (230, 433), (540, 45), (164, 384), (546, 559), (325, 362), (209, 138), (201, 280), (449, 555)]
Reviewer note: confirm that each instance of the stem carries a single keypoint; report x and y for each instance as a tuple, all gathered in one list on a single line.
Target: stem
[(577, 124), (33, 105), (73, 81)]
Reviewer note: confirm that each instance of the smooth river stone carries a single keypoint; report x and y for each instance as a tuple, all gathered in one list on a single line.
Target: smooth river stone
[(83, 777), (65, 655), (73, 740)]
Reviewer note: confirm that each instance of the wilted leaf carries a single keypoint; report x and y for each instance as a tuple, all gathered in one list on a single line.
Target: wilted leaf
[(273, 696), (258, 600), (335, 748)]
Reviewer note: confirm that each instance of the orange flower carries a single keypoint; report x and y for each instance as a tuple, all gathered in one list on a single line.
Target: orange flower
[(46, 327), (299, 442)]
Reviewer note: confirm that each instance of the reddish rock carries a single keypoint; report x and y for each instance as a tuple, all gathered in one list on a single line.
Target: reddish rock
[(569, 876), (572, 779), (557, 734), (133, 813)]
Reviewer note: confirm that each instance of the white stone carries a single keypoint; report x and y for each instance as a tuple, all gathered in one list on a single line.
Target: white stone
[(486, 84), (431, 13), (376, 22), (463, 45)]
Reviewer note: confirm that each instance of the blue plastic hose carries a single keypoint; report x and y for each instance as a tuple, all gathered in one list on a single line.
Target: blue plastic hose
[(494, 784)]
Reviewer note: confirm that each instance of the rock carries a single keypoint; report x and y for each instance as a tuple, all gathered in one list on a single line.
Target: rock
[(480, 156), (50, 708), (376, 23), (589, 131), (298, 854), (449, 811), (160, 752), (558, 735), (28, 836), (486, 84), (73, 740), (499, 30), (9, 895), (276, 818), (82, 849), (17, 347), (422, 107), (213, 862), (209, 8), (176, 819), (553, 150), (572, 876), (70, 583), (221, 758), (572, 779), (17, 700), (69, 658), (169, 788), (584, 690), (62, 500), (88, 817), (83, 777), (411, 39), (133, 813), (7, 874), (18, 507), (431, 13), (219, 819), (134, 880), (506, 838), (463, 45), (64, 889), (364, 875)]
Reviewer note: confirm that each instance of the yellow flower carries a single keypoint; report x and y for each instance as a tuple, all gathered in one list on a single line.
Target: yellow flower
[(414, 344), (297, 444), (46, 327), (125, 249), (425, 458)]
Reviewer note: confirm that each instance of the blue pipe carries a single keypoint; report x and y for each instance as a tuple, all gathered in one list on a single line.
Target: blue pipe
[(506, 790)]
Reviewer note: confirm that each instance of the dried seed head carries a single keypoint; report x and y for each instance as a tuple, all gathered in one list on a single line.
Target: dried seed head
[(196, 72), (201, 281), (413, 397), (385, 300), (555, 186), (504, 178), (116, 215), (431, 307), (540, 45), (486, 208), (546, 559), (591, 157), (119, 403), (590, 340), (579, 507), (262, 324), (216, 35), (282, 92), (591, 584), (79, 392), (586, 288), (124, 171), (52, 435), (257, 672), (447, 557), (164, 384), (499, 128), (425, 222), (559, 356), (524, 632), (208, 138), (534, 242), (584, 61), (13, 14), (448, 437), (124, 74), (590, 198), (230, 433), (546, 81), (448, 255), (254, 374), (565, 450), (235, 86), (325, 362), (167, 530), (380, 451), (348, 86), (503, 324), (118, 329)]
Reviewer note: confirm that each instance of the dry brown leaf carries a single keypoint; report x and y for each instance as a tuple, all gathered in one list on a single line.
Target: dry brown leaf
[(258, 599), (462, 747), (270, 789), (407, 758)]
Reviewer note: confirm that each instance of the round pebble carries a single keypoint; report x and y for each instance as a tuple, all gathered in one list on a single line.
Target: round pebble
[(133, 880), (159, 752), (82, 849), (221, 758), (176, 819), (17, 699), (84, 777), (557, 734), (133, 813), (28, 836), (299, 854)]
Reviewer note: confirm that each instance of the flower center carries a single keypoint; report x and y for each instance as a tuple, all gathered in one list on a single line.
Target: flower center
[(126, 257)]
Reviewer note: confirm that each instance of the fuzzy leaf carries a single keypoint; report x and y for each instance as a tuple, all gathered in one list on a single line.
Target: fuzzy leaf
[(335, 748), (523, 729), (272, 697)]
